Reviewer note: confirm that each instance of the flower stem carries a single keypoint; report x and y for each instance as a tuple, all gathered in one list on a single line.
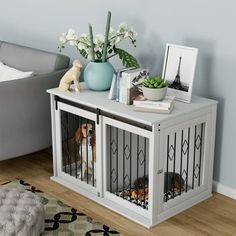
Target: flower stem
[(104, 54), (91, 41)]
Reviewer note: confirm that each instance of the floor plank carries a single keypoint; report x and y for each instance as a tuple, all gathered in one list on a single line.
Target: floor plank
[(213, 217)]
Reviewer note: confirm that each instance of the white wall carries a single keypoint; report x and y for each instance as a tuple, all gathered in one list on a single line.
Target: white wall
[(207, 25)]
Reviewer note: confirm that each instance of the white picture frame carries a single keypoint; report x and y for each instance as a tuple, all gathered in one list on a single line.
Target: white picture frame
[(178, 70)]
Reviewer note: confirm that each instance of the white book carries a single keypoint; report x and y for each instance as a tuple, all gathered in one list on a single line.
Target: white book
[(118, 81), (143, 102), (155, 110), (131, 83), (117, 85), (112, 93)]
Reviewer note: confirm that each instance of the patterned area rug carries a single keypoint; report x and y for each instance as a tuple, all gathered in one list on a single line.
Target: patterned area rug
[(61, 219)]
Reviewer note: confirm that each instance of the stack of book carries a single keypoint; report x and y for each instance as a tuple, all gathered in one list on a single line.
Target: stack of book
[(164, 106), (127, 84)]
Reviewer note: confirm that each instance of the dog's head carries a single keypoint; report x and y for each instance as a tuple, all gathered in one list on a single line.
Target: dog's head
[(77, 63), (86, 130)]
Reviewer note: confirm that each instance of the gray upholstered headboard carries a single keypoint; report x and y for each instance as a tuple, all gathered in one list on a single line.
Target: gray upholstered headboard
[(31, 59)]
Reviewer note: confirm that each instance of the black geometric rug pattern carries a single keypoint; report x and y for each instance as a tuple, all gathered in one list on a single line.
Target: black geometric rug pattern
[(61, 219)]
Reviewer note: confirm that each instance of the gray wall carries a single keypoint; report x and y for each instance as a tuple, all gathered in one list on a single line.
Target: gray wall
[(207, 25)]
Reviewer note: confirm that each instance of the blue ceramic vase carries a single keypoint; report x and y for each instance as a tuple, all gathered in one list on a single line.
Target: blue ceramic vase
[(98, 75)]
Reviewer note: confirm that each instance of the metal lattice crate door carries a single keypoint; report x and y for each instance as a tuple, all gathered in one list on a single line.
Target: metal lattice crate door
[(184, 161), (78, 154), (77, 147), (126, 166)]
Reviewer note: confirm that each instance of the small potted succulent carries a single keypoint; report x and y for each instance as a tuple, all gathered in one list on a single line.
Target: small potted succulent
[(154, 88)]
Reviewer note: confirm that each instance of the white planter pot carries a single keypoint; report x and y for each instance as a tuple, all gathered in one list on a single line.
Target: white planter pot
[(154, 94)]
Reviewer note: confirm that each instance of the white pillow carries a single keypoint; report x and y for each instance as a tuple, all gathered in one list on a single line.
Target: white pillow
[(8, 73)]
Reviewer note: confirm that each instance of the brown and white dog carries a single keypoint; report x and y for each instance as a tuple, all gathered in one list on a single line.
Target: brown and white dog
[(86, 139)]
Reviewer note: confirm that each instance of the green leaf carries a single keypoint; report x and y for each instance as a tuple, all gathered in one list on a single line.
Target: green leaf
[(84, 53), (127, 59), (99, 55)]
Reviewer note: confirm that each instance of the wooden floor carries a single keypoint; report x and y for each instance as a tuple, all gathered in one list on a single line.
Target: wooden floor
[(216, 216)]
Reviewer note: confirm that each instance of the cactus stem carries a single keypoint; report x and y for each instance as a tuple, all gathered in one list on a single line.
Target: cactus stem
[(104, 54), (91, 41)]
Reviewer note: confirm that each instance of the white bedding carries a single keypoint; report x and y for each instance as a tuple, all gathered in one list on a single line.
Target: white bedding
[(8, 73)]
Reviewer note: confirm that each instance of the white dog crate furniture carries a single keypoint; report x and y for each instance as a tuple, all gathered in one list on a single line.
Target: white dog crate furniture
[(145, 166)]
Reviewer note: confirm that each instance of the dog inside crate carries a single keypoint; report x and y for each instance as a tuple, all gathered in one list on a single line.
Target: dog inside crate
[(128, 166), (173, 185), (86, 139), (79, 148), (138, 194), (127, 162)]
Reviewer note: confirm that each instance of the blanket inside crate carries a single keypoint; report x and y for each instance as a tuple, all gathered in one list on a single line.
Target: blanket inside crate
[(143, 201), (129, 195)]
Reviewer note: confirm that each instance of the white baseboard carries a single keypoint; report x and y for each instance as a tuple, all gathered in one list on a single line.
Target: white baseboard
[(225, 190)]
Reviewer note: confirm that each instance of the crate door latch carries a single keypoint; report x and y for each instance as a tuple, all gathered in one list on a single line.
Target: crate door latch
[(98, 114)]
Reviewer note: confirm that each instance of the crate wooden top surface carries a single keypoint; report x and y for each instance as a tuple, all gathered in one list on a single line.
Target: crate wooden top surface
[(100, 100)]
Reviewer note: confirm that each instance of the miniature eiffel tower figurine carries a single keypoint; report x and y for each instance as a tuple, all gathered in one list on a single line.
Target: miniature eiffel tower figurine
[(176, 83)]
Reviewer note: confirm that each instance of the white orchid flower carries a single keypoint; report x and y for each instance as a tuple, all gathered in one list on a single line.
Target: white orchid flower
[(132, 33), (82, 46), (84, 39), (98, 48), (62, 39), (99, 39), (71, 31), (82, 42), (85, 36), (69, 37), (122, 28)]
